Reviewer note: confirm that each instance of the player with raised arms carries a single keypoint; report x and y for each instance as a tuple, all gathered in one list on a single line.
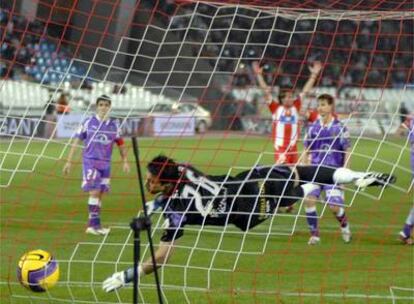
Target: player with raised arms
[(99, 133), (327, 143), (286, 115), (406, 232), (189, 197)]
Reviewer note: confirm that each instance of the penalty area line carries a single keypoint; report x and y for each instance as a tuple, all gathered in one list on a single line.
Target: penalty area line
[(76, 222), (336, 295), (263, 292)]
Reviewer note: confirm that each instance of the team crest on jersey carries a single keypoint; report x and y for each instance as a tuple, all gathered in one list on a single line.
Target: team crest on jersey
[(287, 119), (102, 139), (326, 146)]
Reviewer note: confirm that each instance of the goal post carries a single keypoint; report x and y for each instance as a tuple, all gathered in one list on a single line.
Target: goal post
[(181, 78)]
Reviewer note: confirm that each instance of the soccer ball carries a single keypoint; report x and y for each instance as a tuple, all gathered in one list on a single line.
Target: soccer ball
[(38, 270)]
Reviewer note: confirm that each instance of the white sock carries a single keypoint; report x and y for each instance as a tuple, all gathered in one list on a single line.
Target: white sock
[(410, 218), (340, 212), (346, 228), (93, 201), (346, 176), (308, 188), (94, 211), (310, 209)]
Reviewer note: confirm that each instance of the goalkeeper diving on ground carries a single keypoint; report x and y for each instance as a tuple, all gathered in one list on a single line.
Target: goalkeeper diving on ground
[(189, 197)]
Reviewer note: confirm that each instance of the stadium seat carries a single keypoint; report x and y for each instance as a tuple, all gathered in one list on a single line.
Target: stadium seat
[(22, 94), (325, 90)]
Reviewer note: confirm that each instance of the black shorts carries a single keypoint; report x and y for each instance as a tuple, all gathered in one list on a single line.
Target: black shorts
[(257, 201)]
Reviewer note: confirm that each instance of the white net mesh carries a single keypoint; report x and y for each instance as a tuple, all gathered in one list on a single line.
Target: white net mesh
[(208, 47)]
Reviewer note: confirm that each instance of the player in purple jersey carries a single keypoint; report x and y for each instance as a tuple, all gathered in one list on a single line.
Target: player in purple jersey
[(98, 133), (187, 196), (408, 126), (406, 232), (327, 143)]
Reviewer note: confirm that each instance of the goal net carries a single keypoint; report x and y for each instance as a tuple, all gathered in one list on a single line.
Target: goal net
[(181, 78)]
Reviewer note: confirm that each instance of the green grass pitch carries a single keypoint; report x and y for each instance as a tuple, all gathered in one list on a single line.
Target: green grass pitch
[(45, 210)]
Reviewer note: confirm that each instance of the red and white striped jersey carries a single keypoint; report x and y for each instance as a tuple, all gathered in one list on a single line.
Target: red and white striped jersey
[(285, 124), (313, 116)]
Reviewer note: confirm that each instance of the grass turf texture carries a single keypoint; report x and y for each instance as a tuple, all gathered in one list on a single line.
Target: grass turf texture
[(45, 210)]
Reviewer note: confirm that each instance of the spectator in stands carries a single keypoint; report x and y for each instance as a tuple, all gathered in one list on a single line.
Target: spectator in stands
[(244, 76), (50, 106), (22, 36), (403, 112), (62, 105), (119, 89), (47, 123), (3, 69)]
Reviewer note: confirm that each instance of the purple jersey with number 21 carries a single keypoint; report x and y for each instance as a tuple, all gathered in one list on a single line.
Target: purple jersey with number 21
[(98, 137)]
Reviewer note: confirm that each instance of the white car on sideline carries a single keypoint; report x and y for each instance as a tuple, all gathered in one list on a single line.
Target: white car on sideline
[(201, 115)]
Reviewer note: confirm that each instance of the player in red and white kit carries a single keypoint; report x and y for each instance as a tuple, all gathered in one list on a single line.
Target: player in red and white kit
[(286, 115)]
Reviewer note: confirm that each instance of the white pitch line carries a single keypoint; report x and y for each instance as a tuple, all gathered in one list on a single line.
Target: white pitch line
[(264, 292), (211, 228), (336, 295), (61, 221)]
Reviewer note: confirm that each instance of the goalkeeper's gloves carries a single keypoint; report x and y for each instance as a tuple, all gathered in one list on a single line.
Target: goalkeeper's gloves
[(115, 281), (119, 279)]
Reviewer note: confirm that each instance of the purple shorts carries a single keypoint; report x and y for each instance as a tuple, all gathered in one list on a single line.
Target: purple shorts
[(96, 175), (334, 195)]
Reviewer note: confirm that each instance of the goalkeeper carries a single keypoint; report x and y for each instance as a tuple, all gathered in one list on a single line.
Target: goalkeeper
[(189, 197)]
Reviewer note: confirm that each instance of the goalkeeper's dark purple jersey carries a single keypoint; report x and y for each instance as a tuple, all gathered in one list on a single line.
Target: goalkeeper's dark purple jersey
[(98, 137), (327, 143), (244, 200)]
